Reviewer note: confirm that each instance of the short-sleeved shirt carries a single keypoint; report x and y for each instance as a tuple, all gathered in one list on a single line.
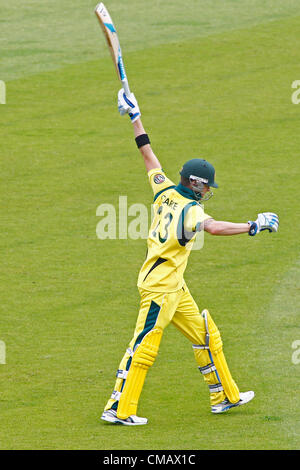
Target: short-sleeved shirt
[(177, 218)]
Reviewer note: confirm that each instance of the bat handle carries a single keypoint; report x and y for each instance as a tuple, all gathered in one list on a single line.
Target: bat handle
[(126, 87)]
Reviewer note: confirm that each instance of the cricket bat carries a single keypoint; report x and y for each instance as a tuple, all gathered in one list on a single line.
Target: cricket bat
[(112, 39)]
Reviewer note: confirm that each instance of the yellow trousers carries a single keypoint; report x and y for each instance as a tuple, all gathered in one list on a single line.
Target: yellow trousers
[(157, 310)]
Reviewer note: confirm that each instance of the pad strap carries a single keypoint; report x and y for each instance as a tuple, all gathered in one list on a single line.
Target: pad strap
[(115, 395), (207, 369), (215, 388), (122, 374), (200, 346), (129, 351)]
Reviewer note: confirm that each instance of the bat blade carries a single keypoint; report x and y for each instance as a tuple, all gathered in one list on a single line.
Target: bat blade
[(113, 43)]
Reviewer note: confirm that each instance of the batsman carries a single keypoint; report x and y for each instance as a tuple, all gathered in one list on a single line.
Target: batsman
[(164, 296)]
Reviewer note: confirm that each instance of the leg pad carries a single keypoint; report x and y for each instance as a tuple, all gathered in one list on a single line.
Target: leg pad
[(216, 349), (213, 365), (142, 359)]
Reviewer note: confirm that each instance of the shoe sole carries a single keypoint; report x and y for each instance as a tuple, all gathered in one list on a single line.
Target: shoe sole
[(223, 410), (114, 420), (232, 405)]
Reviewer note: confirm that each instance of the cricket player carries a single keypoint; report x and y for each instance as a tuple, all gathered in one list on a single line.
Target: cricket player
[(165, 297)]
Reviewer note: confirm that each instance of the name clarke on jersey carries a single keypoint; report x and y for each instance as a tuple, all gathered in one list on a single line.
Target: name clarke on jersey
[(172, 204)]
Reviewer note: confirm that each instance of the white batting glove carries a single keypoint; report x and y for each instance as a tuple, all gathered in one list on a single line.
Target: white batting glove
[(128, 105), (264, 221)]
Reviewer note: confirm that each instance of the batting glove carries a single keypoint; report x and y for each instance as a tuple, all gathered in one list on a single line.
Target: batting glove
[(264, 221), (128, 105)]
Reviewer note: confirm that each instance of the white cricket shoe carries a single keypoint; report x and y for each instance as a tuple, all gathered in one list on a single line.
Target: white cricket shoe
[(133, 420), (245, 397)]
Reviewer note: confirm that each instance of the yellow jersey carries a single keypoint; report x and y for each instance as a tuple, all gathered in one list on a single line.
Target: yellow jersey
[(177, 219)]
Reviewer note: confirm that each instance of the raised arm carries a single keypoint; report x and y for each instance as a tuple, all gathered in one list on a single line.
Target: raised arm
[(264, 221), (129, 105), (218, 227), (150, 159)]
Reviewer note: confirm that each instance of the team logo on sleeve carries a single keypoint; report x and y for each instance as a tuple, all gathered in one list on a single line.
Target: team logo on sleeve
[(159, 178)]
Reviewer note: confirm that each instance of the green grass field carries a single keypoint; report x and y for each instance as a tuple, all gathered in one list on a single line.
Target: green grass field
[(214, 81)]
